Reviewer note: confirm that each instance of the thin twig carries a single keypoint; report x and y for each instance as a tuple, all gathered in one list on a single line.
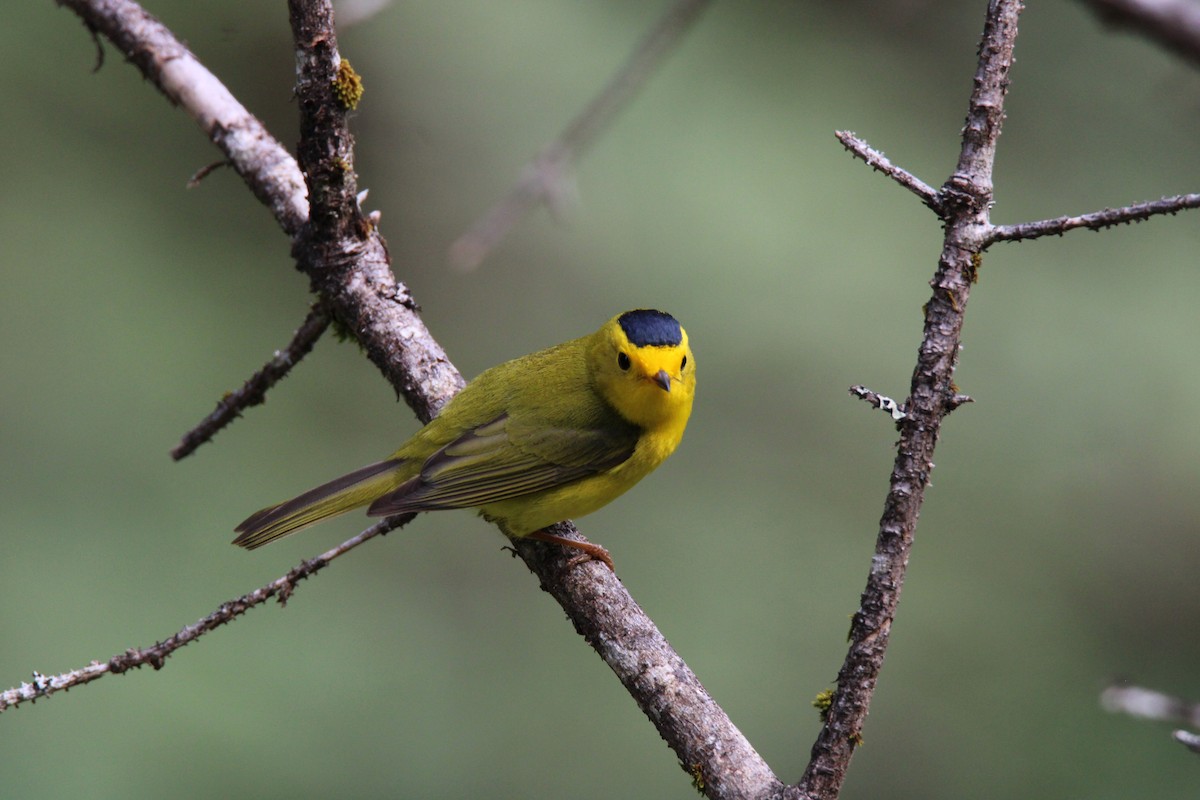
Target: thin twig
[(1173, 23), (1097, 220), (880, 163), (156, 654), (545, 178), (966, 199), (882, 402), (208, 169), (254, 391)]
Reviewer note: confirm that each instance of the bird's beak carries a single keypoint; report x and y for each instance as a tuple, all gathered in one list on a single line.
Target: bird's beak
[(663, 380)]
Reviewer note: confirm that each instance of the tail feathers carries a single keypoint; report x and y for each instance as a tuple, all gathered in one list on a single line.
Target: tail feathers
[(339, 495)]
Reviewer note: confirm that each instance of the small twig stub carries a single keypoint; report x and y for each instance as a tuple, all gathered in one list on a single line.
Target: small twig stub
[(882, 402)]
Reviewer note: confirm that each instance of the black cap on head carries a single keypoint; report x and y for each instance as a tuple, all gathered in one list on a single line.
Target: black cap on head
[(646, 327)]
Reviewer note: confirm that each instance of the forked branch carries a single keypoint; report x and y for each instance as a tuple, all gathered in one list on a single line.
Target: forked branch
[(965, 200)]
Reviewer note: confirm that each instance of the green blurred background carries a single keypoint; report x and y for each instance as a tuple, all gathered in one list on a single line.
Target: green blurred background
[(1057, 548)]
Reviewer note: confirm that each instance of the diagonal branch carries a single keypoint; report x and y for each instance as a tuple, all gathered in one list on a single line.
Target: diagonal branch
[(880, 163), (156, 655), (254, 391), (544, 179), (966, 198)]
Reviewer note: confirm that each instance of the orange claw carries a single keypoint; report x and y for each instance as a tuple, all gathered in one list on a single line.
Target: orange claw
[(589, 551)]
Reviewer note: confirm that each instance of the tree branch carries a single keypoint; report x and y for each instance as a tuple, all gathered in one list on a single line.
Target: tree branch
[(1138, 701), (156, 655), (544, 179), (254, 391), (1097, 220), (1173, 23), (965, 198), (880, 163)]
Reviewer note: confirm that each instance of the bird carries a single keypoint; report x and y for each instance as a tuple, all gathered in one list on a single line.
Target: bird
[(546, 437)]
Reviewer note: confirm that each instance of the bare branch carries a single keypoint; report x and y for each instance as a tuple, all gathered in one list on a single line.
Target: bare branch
[(1173, 23), (966, 199), (721, 762), (956, 400), (254, 391), (1097, 220), (156, 655), (545, 179), (880, 163)]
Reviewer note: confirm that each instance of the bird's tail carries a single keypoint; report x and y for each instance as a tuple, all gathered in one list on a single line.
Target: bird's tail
[(339, 495)]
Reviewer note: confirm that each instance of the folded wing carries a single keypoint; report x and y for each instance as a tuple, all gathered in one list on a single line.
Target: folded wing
[(504, 459)]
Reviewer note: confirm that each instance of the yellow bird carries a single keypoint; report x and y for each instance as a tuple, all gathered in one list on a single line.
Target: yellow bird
[(546, 437)]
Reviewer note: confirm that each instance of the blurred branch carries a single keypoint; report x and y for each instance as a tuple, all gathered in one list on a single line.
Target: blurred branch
[(1095, 221), (1138, 701), (356, 12), (156, 655), (254, 391), (1188, 739), (1175, 24), (546, 178), (965, 201)]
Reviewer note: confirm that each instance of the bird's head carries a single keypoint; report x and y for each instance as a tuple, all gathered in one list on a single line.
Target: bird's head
[(644, 368)]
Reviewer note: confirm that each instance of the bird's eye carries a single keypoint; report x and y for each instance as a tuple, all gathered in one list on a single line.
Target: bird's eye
[(622, 361), (683, 364)]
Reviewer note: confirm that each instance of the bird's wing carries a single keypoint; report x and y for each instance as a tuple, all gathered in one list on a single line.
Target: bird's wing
[(504, 459)]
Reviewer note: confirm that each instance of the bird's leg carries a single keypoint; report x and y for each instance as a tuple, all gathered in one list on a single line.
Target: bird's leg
[(588, 550)]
